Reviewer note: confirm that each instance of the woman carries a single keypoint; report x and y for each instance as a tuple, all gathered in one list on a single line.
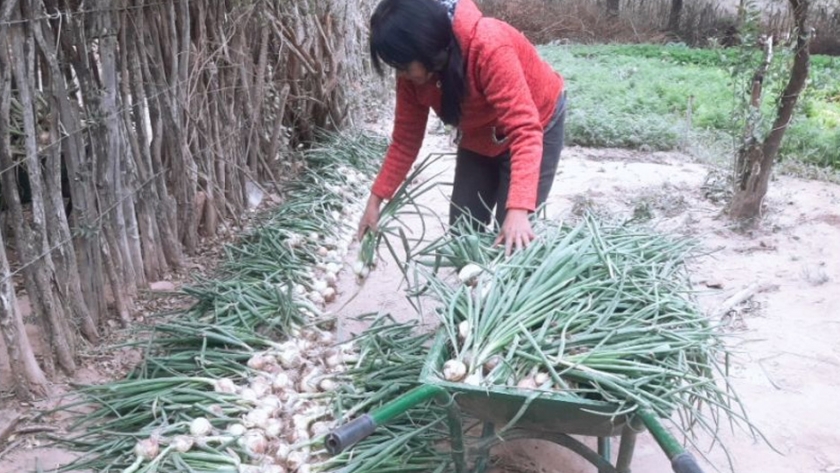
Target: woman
[(484, 77)]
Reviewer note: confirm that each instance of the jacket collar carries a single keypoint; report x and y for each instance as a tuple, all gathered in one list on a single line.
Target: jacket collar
[(464, 23)]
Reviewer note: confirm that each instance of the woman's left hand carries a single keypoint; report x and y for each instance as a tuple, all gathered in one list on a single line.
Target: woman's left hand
[(516, 231)]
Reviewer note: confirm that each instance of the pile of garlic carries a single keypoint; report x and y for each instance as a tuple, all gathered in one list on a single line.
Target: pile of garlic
[(288, 406), (289, 409)]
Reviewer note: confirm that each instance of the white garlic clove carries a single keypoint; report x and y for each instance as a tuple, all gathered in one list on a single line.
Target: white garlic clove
[(147, 449), (249, 395), (469, 274), (454, 370), (236, 430), (182, 443), (199, 427), (225, 386)]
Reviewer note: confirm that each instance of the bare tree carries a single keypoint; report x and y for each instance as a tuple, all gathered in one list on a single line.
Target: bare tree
[(613, 7), (160, 113), (26, 375), (675, 16), (756, 157)]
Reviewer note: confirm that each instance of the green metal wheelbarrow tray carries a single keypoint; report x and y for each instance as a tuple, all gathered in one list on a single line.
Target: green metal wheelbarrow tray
[(554, 417)]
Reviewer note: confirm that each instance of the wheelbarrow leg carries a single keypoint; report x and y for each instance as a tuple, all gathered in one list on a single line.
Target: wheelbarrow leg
[(604, 449), (628, 444), (456, 431), (484, 453)]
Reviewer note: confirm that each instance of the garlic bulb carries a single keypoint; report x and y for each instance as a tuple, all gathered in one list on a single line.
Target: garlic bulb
[(294, 240), (261, 387), (331, 279), (274, 427), (257, 418), (492, 363), (324, 337), (322, 252), (147, 449), (541, 378), (283, 451), (463, 330), (200, 427), (296, 459), (249, 395), (328, 294), (259, 361), (289, 358), (327, 385), (333, 268), (316, 297), (272, 469), (302, 436), (281, 381), (300, 422), (454, 370), (319, 429), (332, 360), (469, 274), (270, 402), (182, 443), (473, 379), (361, 269), (236, 430), (254, 443), (309, 382), (527, 383), (224, 385), (319, 285)]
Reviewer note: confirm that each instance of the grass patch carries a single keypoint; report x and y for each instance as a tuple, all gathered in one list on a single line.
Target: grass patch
[(639, 96)]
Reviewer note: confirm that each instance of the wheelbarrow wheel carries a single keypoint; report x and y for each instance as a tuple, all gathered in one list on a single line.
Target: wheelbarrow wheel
[(490, 440)]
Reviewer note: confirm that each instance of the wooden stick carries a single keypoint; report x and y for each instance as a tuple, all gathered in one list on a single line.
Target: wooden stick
[(741, 296)]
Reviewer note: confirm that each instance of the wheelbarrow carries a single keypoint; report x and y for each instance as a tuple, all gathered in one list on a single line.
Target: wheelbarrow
[(550, 416)]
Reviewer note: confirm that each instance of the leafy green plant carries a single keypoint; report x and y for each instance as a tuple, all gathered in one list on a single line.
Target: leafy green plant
[(644, 96)]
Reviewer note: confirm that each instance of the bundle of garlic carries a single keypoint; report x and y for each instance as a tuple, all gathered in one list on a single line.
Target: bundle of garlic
[(391, 358), (406, 202), (220, 359), (589, 311), (288, 398)]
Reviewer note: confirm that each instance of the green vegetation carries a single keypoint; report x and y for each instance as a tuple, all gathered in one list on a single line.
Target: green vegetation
[(638, 96)]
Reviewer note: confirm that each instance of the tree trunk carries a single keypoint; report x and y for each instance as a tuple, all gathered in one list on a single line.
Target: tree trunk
[(79, 169), (109, 176), (152, 213), (613, 8), (675, 16), (143, 88), (27, 377), (34, 242), (136, 211), (758, 161)]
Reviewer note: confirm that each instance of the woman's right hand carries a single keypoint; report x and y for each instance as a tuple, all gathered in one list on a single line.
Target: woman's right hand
[(370, 218)]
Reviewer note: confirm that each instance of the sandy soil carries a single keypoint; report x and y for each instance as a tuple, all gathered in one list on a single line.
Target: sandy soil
[(787, 368)]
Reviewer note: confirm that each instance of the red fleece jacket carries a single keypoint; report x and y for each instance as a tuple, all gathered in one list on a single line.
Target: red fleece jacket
[(510, 88)]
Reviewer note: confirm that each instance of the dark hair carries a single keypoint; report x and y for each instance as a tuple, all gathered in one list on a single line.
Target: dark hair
[(402, 31)]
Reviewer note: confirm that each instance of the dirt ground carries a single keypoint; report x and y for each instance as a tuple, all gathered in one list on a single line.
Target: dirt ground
[(787, 364)]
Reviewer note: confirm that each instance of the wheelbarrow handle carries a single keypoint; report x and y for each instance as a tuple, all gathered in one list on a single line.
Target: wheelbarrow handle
[(681, 460), (356, 430), (685, 463), (349, 434)]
